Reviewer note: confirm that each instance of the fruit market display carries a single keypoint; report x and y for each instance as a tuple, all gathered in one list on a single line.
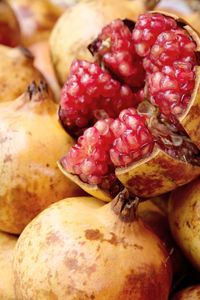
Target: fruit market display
[(100, 151)]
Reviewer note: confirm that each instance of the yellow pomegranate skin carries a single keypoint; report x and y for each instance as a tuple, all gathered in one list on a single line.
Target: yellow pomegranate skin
[(184, 214), (79, 248), (7, 245), (17, 71), (31, 141)]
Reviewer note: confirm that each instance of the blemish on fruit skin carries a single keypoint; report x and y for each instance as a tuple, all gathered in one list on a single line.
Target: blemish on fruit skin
[(93, 234), (53, 237), (145, 184), (7, 158)]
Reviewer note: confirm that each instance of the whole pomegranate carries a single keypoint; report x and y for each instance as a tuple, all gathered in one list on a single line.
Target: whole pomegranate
[(17, 71), (79, 248), (9, 26), (31, 142), (36, 19), (184, 214), (136, 110), (7, 245), (189, 293), (85, 20)]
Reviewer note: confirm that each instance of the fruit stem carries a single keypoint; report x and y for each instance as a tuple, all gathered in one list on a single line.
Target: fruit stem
[(125, 205)]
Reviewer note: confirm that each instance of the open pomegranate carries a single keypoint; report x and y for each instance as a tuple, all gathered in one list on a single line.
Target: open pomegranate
[(140, 102), (81, 248)]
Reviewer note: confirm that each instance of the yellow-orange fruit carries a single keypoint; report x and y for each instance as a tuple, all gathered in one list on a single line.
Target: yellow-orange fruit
[(17, 71), (79, 248), (184, 214), (31, 140), (7, 245)]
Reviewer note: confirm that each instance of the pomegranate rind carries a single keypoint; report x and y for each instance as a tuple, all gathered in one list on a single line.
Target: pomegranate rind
[(93, 190), (157, 174)]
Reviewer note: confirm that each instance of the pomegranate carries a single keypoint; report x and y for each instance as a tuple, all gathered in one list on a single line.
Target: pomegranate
[(184, 214), (7, 245), (36, 19), (43, 63), (17, 71), (152, 215), (32, 140), (9, 27), (85, 20), (104, 252), (143, 124), (189, 293)]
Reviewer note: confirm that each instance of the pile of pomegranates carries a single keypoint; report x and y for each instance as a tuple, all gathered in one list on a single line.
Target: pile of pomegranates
[(100, 144)]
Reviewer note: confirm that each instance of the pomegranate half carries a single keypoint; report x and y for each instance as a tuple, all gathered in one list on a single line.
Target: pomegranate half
[(31, 142), (143, 93), (79, 248)]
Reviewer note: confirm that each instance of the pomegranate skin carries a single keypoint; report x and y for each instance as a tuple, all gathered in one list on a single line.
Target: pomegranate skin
[(17, 71), (7, 245), (184, 214), (93, 255), (31, 142)]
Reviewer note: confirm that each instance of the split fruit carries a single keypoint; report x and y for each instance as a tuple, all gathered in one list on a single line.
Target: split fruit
[(90, 250), (137, 107), (31, 140)]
